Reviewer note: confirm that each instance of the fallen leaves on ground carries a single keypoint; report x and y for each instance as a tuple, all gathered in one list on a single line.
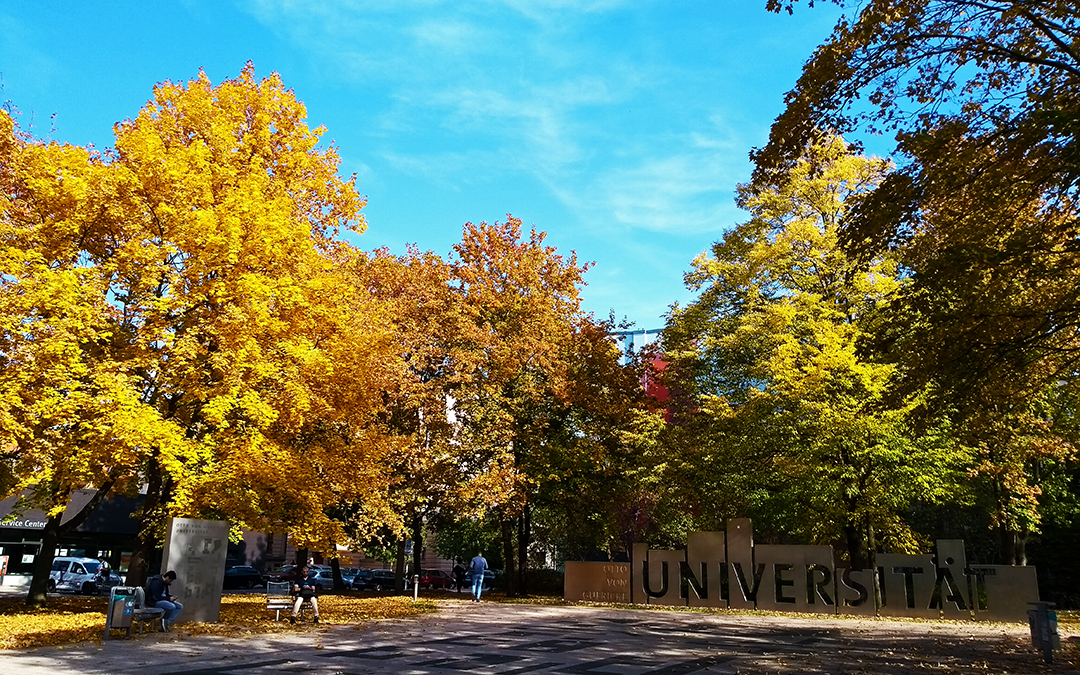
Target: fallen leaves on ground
[(71, 619)]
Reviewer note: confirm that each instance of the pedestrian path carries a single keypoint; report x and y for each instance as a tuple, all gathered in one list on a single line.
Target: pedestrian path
[(505, 639)]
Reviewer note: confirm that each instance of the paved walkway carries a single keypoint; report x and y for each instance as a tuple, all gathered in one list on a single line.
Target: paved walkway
[(503, 639)]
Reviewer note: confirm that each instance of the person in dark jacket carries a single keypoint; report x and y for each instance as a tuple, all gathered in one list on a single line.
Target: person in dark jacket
[(157, 595), (304, 590), (459, 575)]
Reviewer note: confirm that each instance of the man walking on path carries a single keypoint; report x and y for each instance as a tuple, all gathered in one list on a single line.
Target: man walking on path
[(477, 567)]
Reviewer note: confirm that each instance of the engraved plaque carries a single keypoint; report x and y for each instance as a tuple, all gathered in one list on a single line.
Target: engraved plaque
[(725, 569), (1007, 589), (597, 582), (951, 590), (855, 592), (637, 592), (740, 567), (661, 583)]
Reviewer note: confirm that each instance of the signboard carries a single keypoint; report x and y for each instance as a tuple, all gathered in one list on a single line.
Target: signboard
[(195, 550), (726, 570)]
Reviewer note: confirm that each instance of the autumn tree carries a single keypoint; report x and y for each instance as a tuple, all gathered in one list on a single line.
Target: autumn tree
[(983, 97), (71, 412), (982, 212), (433, 342), (215, 325), (786, 418), (546, 392)]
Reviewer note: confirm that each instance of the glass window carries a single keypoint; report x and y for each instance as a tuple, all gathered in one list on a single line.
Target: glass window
[(60, 565), (76, 568)]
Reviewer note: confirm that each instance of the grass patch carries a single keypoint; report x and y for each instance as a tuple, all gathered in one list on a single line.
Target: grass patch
[(71, 619)]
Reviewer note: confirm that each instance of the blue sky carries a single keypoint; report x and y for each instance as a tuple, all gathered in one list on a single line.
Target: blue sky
[(619, 128)]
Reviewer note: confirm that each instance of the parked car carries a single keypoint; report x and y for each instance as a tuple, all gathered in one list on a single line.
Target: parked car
[(362, 580), (286, 573), (489, 578), (383, 580), (347, 576), (243, 576), (324, 579), (436, 579), (81, 575)]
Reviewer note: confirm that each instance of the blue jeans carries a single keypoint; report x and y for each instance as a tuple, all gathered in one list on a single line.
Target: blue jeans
[(477, 585), (172, 610)]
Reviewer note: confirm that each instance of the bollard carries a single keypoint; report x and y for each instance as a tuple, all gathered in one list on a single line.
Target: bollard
[(415, 587), (1044, 629)]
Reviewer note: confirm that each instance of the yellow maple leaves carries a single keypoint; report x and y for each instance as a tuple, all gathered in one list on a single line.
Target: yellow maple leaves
[(71, 620)]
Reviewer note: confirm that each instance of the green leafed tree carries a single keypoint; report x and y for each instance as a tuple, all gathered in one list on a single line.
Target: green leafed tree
[(982, 214), (781, 416)]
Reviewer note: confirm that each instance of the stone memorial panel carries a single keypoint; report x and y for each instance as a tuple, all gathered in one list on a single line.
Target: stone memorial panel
[(195, 550)]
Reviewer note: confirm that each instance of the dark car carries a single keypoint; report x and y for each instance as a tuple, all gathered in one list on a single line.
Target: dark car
[(435, 579), (286, 573), (383, 580), (362, 580), (243, 577), (489, 577)]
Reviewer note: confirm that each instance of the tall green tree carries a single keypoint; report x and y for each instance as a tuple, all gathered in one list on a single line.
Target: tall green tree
[(792, 419), (982, 213)]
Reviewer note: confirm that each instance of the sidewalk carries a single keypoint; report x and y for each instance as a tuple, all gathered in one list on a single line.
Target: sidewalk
[(505, 639)]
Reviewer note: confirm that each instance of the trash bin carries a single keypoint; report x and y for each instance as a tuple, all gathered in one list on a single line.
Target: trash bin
[(1044, 629), (121, 609)]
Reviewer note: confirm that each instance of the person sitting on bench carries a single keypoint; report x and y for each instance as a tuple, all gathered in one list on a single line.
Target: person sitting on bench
[(157, 595), (304, 589)]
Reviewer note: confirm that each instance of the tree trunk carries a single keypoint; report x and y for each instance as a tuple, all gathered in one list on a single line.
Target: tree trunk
[(856, 555), (335, 567), (1008, 545), (418, 545), (54, 530), (39, 582), (1021, 547), (146, 542), (508, 557), (871, 545), (399, 567), (524, 532)]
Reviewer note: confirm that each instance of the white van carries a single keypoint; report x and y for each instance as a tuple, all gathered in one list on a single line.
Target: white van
[(81, 575)]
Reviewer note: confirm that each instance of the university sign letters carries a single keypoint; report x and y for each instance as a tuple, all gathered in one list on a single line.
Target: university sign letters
[(726, 570)]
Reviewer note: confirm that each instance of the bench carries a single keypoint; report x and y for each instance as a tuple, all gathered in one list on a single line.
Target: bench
[(278, 597), (142, 613)]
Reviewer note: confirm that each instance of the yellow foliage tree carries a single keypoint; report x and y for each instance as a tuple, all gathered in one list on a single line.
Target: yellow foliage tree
[(207, 279)]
